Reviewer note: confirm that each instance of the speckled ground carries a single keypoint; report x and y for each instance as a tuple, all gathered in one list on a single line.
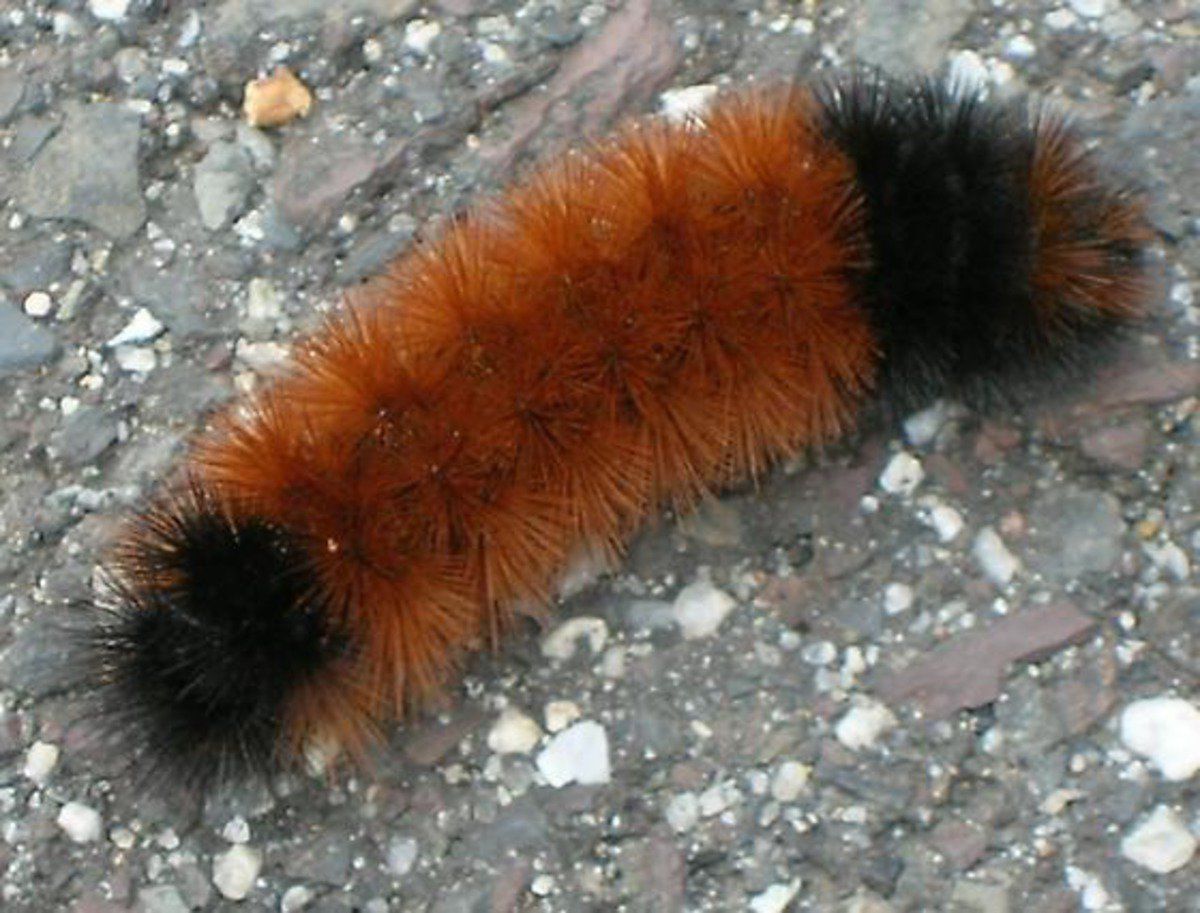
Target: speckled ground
[(953, 665)]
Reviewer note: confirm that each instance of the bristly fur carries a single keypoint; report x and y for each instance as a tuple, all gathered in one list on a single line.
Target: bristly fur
[(998, 256), (214, 623), (639, 323)]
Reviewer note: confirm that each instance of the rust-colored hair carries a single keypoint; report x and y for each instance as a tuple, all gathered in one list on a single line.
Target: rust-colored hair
[(636, 324)]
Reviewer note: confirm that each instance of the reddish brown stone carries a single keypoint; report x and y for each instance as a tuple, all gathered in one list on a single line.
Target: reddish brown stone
[(616, 71), (968, 671), (428, 744), (1120, 447), (960, 842)]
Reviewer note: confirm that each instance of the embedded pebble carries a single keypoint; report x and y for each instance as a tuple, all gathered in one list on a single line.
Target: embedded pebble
[(1161, 843), (790, 781), (897, 598), (236, 830), (717, 798), (683, 812), (863, 724), (576, 755), (136, 359), (1091, 891), (1019, 47), (700, 608), (561, 714), (562, 642), (1089, 9), (80, 822), (109, 10), (142, 327), (776, 898), (922, 427), (235, 871), (38, 304), (902, 474), (998, 564), (420, 34), (513, 733), (40, 761), (401, 855), (295, 898), (680, 105), (1167, 731)]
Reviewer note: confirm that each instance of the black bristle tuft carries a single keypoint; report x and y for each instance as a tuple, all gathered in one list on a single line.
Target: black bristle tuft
[(212, 624), (949, 183)]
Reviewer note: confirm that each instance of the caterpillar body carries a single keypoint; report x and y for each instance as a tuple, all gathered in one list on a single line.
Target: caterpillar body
[(634, 325)]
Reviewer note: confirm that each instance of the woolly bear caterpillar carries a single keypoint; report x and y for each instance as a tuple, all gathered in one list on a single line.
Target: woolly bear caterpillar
[(636, 324)]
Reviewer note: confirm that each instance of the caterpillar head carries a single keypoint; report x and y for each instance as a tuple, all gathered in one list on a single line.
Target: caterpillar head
[(216, 649)]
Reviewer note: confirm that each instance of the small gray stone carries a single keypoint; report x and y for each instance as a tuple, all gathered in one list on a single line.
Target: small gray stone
[(84, 436), (908, 35), (35, 659), (224, 179), (161, 899), (12, 90), (326, 861), (1074, 532), (23, 344), (34, 264), (89, 171)]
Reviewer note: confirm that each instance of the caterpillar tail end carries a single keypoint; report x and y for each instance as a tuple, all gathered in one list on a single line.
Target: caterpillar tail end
[(215, 657)]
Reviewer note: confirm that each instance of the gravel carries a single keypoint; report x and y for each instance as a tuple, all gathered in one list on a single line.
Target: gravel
[(950, 663)]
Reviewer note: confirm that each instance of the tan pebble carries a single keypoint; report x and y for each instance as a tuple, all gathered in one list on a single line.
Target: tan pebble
[(276, 100)]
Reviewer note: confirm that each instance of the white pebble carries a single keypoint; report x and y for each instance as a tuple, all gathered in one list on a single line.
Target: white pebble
[(136, 359), (680, 105), (790, 781), (419, 35), (38, 304), (999, 565), (1089, 9), (819, 653), (542, 885), (80, 822), (260, 357), (1171, 558), (576, 755), (40, 761), (863, 724), (262, 300), (561, 714), (109, 10), (1019, 47), (1161, 843), (401, 855), (142, 327), (897, 598), (922, 427), (902, 474), (683, 811), (236, 830), (717, 798), (776, 898), (562, 641), (513, 733), (700, 608), (943, 520), (1092, 895), (1167, 731), (295, 898), (235, 870)]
